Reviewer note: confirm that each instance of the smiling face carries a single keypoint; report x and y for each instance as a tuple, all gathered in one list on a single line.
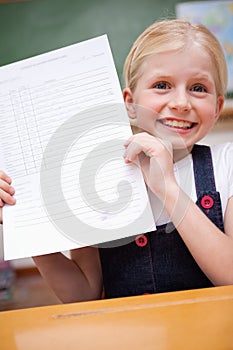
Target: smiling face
[(175, 96)]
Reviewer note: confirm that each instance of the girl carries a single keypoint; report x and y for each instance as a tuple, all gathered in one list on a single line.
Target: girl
[(175, 81)]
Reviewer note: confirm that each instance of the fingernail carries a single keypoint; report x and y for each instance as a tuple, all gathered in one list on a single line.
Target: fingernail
[(11, 190)]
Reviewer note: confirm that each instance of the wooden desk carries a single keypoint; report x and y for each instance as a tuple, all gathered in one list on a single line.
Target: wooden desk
[(198, 319)]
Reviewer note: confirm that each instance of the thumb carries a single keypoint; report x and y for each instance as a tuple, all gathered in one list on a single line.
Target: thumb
[(144, 164)]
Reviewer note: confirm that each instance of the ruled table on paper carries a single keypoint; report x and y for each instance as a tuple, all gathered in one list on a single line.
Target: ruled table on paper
[(63, 125)]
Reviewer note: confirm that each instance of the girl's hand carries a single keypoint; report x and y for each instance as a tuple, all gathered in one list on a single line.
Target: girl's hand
[(6, 192), (156, 161)]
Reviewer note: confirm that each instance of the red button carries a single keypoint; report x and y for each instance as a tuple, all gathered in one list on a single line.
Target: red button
[(207, 202), (141, 240)]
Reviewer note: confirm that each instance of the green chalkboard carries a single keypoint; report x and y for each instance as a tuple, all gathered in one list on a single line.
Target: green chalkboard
[(29, 28)]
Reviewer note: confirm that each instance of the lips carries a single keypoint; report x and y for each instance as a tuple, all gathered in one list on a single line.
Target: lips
[(177, 124)]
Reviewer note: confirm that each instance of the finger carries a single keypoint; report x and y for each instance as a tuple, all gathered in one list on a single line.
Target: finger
[(1, 203), (127, 142), (132, 151), (5, 177), (7, 198), (138, 144), (6, 187), (144, 164)]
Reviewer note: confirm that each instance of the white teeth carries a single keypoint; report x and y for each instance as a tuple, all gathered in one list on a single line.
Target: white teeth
[(177, 124)]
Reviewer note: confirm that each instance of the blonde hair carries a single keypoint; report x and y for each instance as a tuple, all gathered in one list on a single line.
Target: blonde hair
[(169, 35)]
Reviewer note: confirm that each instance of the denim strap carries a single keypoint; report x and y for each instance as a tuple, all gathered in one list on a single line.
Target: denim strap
[(203, 169)]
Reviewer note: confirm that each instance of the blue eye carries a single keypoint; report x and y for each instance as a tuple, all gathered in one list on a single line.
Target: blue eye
[(198, 88), (161, 85)]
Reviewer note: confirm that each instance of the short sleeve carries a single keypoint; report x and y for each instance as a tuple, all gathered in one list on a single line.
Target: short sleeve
[(222, 155), (229, 163)]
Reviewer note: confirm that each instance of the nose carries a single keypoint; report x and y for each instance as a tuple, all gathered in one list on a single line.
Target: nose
[(180, 101)]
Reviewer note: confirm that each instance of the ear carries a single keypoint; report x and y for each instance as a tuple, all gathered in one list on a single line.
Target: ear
[(128, 98), (219, 106)]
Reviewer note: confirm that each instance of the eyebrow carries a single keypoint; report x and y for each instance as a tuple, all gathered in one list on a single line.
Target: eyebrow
[(161, 76), (202, 76), (157, 75)]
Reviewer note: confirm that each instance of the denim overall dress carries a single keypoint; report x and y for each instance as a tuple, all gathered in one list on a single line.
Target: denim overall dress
[(159, 261)]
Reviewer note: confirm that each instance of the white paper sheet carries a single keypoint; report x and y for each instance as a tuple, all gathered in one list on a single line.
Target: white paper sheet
[(63, 125)]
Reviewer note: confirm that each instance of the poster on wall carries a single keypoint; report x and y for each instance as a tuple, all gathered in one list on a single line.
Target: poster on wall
[(217, 16)]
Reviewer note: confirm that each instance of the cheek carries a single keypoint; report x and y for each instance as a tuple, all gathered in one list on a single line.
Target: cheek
[(208, 105), (207, 110), (208, 122), (146, 115), (149, 107)]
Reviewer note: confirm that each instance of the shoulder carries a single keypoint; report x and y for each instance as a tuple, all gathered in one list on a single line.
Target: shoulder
[(222, 147), (222, 154)]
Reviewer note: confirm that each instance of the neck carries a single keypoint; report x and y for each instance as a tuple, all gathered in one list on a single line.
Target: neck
[(179, 154)]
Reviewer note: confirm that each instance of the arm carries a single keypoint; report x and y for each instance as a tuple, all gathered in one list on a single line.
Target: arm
[(211, 248), (78, 278)]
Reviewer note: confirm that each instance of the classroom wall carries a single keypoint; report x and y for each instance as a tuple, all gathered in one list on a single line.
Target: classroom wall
[(32, 27)]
